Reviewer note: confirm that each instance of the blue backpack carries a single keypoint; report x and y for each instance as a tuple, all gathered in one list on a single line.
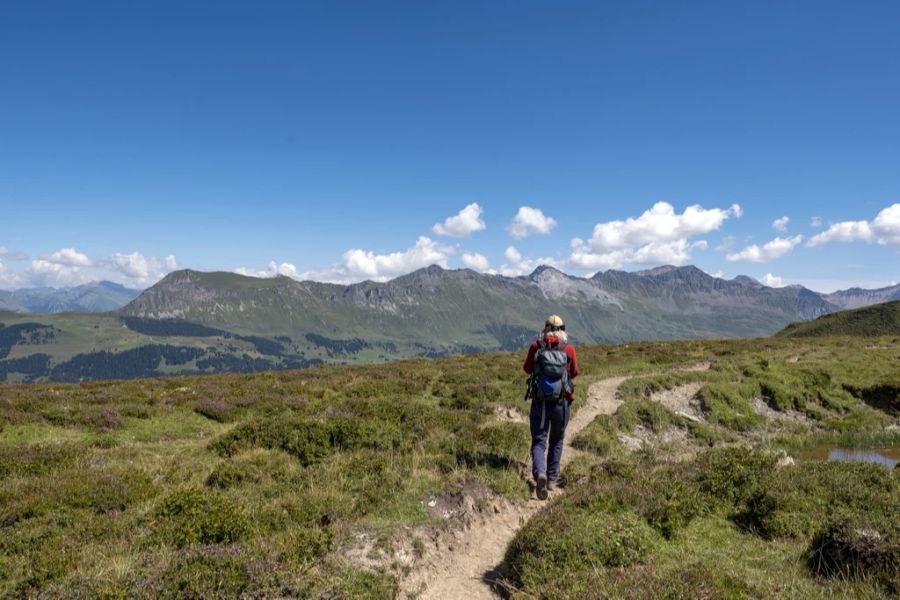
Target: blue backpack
[(551, 374)]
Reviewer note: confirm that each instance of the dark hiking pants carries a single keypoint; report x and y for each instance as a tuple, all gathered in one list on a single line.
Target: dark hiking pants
[(548, 419)]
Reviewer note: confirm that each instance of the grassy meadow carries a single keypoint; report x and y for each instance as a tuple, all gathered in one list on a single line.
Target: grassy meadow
[(329, 482)]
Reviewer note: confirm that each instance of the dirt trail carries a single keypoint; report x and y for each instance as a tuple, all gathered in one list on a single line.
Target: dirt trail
[(464, 565)]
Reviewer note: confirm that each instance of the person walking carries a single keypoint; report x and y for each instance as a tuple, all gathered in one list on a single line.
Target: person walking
[(553, 365)]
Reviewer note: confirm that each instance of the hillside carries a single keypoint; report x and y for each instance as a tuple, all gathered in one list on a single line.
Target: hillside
[(876, 320), (460, 309), (374, 482), (194, 322)]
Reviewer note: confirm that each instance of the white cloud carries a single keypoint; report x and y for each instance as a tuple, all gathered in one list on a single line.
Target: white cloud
[(815, 222), (476, 261), (771, 250), (884, 229), (659, 235), (8, 279), (274, 270), (677, 252), (518, 265), (781, 224), (530, 220), (772, 280), (464, 223), (359, 264), (140, 270), (45, 273), (68, 257), (68, 267), (512, 254), (11, 254)]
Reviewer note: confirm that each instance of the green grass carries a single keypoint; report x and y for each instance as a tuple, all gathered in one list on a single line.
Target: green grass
[(727, 525), (263, 484)]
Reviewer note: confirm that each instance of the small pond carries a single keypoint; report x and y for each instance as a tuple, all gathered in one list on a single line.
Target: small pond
[(889, 457)]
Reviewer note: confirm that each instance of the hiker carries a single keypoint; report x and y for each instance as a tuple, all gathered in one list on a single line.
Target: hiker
[(552, 364)]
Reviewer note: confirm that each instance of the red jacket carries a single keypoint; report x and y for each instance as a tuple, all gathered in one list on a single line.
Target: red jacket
[(572, 365)]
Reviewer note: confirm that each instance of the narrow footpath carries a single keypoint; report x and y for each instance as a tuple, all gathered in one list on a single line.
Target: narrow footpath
[(467, 567)]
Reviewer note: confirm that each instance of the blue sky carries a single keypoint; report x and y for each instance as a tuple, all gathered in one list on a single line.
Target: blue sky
[(327, 139)]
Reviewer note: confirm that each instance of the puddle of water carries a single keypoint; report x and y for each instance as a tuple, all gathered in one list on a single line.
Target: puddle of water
[(889, 457)]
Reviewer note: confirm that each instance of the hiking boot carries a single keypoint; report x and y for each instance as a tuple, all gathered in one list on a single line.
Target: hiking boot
[(552, 484), (542, 487)]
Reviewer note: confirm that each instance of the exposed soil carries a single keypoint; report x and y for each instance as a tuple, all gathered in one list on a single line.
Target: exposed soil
[(463, 562), (509, 414), (682, 401), (761, 408)]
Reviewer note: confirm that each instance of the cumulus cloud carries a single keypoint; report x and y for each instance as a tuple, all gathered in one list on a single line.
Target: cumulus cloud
[(772, 280), (516, 264), (815, 222), (8, 279), (462, 224), (884, 229), (68, 257), (476, 261), (67, 267), (46, 273), (781, 224), (659, 235), (358, 265), (274, 269), (530, 220), (11, 254), (771, 250), (141, 270)]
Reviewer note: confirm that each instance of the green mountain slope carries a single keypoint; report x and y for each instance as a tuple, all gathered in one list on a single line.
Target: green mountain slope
[(876, 320), (205, 322), (446, 310)]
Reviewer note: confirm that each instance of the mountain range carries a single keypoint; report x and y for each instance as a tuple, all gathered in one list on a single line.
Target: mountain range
[(193, 321), (445, 308), (97, 296)]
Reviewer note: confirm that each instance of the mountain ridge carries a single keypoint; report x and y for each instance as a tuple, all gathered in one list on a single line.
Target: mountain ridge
[(195, 321), (95, 296), (613, 305)]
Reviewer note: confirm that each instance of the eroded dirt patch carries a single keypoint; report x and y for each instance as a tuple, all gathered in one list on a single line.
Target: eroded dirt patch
[(682, 401), (462, 562)]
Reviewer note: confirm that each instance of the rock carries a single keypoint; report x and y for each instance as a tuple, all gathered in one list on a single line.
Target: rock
[(630, 442), (785, 461)]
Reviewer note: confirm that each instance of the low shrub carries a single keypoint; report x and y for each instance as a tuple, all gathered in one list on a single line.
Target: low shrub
[(858, 547), (569, 538), (195, 516), (792, 503), (730, 475), (103, 491), (217, 410), (31, 460), (309, 439), (262, 468), (206, 572)]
